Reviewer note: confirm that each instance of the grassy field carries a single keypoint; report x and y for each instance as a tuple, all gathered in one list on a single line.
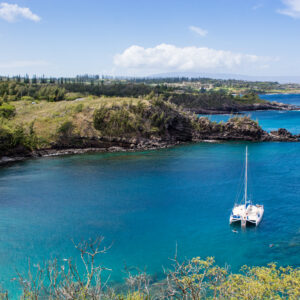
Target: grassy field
[(47, 117)]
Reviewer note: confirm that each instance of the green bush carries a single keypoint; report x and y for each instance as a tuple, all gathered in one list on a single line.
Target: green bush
[(73, 96), (99, 118), (27, 98), (135, 119), (78, 108), (10, 139), (7, 110), (11, 98), (158, 102), (158, 119), (6, 139), (66, 129), (191, 279), (116, 121)]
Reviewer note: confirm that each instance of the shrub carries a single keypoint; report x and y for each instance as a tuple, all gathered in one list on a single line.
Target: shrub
[(78, 108), (158, 119), (6, 139), (158, 102), (27, 98), (73, 96), (99, 118), (11, 98), (10, 139), (118, 120), (193, 279), (66, 129), (7, 110)]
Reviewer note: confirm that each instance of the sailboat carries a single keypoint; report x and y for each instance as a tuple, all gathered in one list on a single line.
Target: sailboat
[(246, 212)]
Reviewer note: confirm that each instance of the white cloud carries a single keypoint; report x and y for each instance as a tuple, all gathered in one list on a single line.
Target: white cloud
[(23, 64), (198, 30), (165, 57), (13, 12), (292, 8)]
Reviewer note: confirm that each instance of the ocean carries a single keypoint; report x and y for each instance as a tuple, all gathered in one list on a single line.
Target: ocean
[(146, 203)]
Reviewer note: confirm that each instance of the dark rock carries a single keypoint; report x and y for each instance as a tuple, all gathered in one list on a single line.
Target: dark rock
[(236, 108), (283, 135), (238, 128)]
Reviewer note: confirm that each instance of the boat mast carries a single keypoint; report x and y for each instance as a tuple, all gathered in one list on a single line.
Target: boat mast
[(246, 174)]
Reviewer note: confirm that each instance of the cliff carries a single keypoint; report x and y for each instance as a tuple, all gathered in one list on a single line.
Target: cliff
[(115, 124)]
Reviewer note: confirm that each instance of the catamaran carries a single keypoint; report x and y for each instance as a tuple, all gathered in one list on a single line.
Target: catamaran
[(246, 212)]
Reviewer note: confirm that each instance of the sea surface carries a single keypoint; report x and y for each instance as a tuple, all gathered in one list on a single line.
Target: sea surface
[(146, 203), (272, 120)]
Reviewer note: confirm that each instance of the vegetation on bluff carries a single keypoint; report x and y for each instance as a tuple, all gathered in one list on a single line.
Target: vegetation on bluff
[(67, 89), (16, 140), (192, 279), (144, 118), (82, 113), (211, 101), (7, 110), (62, 124), (91, 122)]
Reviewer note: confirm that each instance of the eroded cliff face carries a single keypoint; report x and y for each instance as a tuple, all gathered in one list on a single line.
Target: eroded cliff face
[(177, 127)]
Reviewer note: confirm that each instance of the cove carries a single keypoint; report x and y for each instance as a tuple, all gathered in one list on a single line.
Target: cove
[(147, 202)]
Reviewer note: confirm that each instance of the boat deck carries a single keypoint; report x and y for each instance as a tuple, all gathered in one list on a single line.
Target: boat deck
[(250, 213)]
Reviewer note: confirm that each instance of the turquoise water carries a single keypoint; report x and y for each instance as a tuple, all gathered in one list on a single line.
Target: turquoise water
[(147, 202), (284, 98), (272, 120), (268, 120)]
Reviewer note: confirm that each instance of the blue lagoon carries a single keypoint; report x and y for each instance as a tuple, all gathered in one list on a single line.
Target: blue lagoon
[(146, 202)]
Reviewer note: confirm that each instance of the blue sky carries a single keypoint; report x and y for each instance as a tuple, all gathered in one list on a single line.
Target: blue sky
[(142, 37)]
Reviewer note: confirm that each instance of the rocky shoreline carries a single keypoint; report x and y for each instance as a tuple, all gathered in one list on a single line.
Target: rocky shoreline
[(134, 145), (51, 152), (251, 107), (139, 127)]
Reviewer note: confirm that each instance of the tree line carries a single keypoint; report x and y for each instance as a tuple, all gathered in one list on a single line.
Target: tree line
[(13, 90)]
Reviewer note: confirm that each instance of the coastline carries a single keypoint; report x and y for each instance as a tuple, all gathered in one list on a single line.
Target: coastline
[(287, 92), (244, 108), (43, 153), (172, 126), (284, 136)]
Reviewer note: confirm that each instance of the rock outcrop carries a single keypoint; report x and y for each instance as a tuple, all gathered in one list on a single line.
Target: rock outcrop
[(182, 128), (236, 108), (237, 128), (282, 135)]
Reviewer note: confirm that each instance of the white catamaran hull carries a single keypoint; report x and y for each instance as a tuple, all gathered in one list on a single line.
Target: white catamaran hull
[(247, 214)]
